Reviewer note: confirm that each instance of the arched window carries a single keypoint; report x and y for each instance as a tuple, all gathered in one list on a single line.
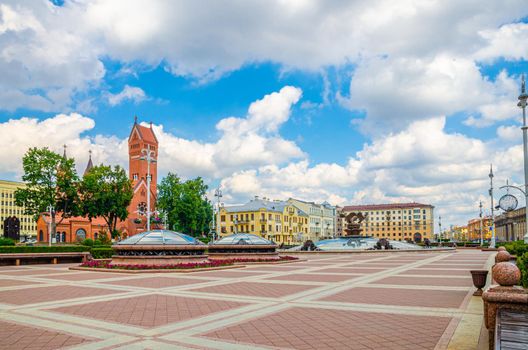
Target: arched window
[(41, 236), (63, 237), (80, 234)]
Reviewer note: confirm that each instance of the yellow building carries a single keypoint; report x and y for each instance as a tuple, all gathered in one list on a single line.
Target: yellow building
[(460, 233), (398, 221), (321, 219), (473, 228), (28, 225), (277, 221)]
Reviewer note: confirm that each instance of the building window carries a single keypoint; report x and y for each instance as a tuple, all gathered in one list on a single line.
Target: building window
[(80, 234), (222, 218)]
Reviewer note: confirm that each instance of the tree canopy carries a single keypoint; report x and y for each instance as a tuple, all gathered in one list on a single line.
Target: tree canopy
[(106, 193), (185, 203), (51, 180)]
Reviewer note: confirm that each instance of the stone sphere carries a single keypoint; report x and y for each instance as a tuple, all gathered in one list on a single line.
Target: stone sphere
[(502, 249), (502, 256), (506, 274)]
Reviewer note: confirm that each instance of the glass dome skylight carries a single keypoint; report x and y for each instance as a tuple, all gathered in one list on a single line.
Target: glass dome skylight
[(160, 237), (243, 238)]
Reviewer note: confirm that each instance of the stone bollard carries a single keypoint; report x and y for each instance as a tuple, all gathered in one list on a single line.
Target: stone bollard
[(507, 295)]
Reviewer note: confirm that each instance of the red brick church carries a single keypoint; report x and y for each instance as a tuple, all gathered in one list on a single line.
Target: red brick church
[(140, 141)]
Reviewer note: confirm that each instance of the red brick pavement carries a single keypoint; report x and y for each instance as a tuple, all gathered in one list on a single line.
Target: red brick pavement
[(356, 270), (311, 277), (54, 293), (12, 283), (445, 272), (21, 337), (28, 272), (426, 281), (268, 290), (310, 328), (402, 297), (150, 310), (81, 276), (228, 274), (155, 282)]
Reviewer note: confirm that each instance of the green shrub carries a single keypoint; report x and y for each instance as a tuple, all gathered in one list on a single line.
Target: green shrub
[(522, 263), (88, 242), (44, 249), (6, 242), (516, 248), (102, 253)]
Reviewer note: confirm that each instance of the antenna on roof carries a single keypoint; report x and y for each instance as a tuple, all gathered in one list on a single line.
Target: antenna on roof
[(135, 119)]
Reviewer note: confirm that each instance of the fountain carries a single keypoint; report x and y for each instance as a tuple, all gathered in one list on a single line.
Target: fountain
[(159, 247), (243, 246)]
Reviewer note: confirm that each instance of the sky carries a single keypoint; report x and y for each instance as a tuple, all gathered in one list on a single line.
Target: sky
[(350, 102)]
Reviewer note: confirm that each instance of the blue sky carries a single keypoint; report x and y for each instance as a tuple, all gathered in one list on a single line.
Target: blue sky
[(346, 102)]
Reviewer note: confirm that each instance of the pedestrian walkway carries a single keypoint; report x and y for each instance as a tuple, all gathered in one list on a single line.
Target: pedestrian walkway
[(345, 301)]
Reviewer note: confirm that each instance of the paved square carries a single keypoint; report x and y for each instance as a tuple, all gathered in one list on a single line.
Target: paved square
[(155, 282), (312, 277), (388, 300), (403, 297), (149, 310), (15, 337), (53, 293), (307, 328), (267, 290)]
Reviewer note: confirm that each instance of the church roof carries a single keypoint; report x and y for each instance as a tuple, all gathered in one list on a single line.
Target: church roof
[(145, 133), (89, 166)]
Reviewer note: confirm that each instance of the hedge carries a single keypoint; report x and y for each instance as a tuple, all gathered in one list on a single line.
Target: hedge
[(102, 253), (44, 249), (6, 242), (516, 248), (520, 249), (522, 264)]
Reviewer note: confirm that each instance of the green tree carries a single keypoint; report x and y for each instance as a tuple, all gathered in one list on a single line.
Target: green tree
[(51, 180), (185, 202), (106, 193)]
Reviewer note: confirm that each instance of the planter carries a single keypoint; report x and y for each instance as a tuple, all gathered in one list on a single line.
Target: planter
[(479, 280)]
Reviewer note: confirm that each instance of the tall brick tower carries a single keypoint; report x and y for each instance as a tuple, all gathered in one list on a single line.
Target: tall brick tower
[(141, 140)]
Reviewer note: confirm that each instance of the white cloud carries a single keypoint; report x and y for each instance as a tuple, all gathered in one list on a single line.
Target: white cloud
[(422, 163), (246, 142), (507, 42), (396, 91), (44, 47), (131, 93)]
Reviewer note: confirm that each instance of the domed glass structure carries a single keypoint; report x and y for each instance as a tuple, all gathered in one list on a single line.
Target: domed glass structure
[(160, 237), (243, 238), (243, 246), (159, 247)]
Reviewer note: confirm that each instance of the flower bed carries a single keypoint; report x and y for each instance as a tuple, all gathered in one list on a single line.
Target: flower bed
[(105, 264), (256, 260)]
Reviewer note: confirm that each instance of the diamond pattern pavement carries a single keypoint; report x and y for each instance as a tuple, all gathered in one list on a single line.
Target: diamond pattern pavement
[(389, 300)]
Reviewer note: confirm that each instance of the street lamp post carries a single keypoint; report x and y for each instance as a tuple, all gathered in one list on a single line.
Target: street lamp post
[(50, 209), (492, 224), (148, 155), (439, 231), (480, 216), (218, 195), (523, 97)]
